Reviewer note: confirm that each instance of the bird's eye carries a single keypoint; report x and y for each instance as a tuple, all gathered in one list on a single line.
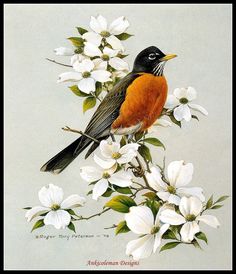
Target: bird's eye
[(152, 56)]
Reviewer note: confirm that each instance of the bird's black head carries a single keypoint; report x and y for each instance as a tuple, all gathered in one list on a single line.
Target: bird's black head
[(151, 60)]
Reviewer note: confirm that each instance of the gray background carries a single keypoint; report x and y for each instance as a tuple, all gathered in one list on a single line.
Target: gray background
[(36, 107)]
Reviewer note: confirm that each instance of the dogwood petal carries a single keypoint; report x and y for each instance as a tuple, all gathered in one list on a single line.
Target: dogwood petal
[(92, 38), (100, 188), (69, 77), (171, 102), (140, 219), (106, 164), (127, 157), (163, 195), (162, 122), (108, 148), (102, 22), (185, 175), (50, 195), (188, 230), (158, 236), (174, 199), (209, 220), (86, 65), (119, 25), (90, 174), (35, 211), (87, 85), (110, 52), (64, 51), (173, 171), (101, 75), (126, 148), (73, 201), (182, 112), (118, 63), (115, 42), (198, 108), (180, 93), (121, 178), (191, 93), (171, 217), (191, 191), (190, 205), (99, 64), (91, 50), (60, 219), (120, 73), (141, 247), (77, 58), (97, 24), (155, 180)]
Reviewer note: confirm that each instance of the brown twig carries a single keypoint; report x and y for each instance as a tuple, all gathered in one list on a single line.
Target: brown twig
[(53, 61), (66, 128), (94, 215)]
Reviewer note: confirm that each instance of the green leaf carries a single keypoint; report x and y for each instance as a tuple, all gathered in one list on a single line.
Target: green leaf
[(108, 193), (172, 118), (195, 117), (150, 195), (71, 212), (121, 203), (122, 55), (90, 192), (216, 206), (153, 205), (201, 236), (221, 199), (124, 36), (27, 208), (196, 244), (145, 153), (122, 228), (209, 202), (123, 190), (155, 142), (76, 41), (89, 103), (98, 88), (169, 235), (78, 92), (123, 141), (169, 245), (71, 226), (81, 30), (38, 224), (138, 136)]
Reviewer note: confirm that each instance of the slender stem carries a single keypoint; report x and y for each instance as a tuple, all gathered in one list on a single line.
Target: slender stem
[(53, 61), (81, 133), (114, 226), (94, 95), (94, 215)]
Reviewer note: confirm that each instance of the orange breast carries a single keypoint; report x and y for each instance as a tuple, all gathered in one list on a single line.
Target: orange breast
[(144, 101)]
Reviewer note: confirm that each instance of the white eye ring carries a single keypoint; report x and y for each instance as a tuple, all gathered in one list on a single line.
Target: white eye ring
[(152, 56)]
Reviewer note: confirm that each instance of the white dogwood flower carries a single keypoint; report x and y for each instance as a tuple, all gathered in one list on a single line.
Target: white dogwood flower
[(104, 177), (179, 175), (181, 102), (140, 220), (190, 209), (113, 153), (107, 32), (64, 51), (51, 198), (86, 75), (108, 55)]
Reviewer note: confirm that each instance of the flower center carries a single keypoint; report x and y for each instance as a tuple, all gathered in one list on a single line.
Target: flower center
[(183, 100), (55, 207), (105, 57), (116, 155), (106, 175), (155, 229), (190, 217), (171, 189), (105, 33), (86, 74)]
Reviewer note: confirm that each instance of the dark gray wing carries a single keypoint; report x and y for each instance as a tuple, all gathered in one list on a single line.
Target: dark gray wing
[(108, 110)]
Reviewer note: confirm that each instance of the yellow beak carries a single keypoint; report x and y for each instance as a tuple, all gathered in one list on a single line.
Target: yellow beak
[(168, 57)]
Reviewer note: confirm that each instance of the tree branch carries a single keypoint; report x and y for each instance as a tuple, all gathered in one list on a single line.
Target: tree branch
[(81, 133), (94, 215), (53, 61)]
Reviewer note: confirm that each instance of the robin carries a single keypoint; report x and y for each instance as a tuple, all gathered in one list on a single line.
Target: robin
[(132, 106)]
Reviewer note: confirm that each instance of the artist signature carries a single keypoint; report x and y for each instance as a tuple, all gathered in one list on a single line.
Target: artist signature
[(70, 237)]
